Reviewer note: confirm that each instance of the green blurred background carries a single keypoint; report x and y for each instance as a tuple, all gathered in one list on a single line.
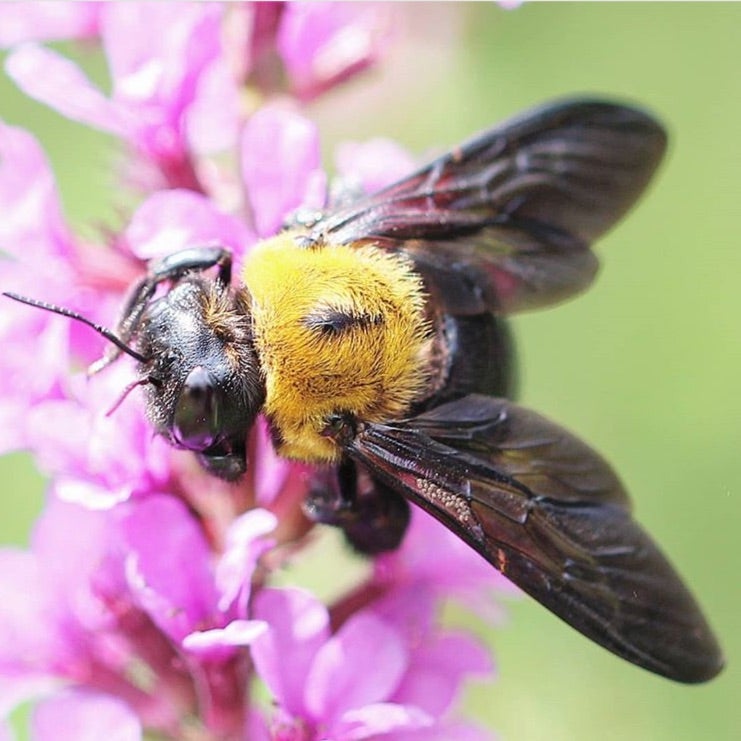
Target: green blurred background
[(645, 366)]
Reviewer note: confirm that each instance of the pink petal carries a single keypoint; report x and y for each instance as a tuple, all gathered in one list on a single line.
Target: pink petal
[(169, 567), (75, 583), (299, 625), (212, 119), (438, 669), (170, 220), (362, 664), (12, 438), (54, 80), (19, 688), (412, 607), (82, 535), (458, 571), (32, 227), (88, 494), (77, 715), (45, 21), (59, 430), (245, 544), (163, 58), (373, 164), (269, 468), (380, 718), (27, 641), (324, 43), (155, 49), (256, 726), (280, 165), (236, 633), (22, 389), (75, 439), (255, 29)]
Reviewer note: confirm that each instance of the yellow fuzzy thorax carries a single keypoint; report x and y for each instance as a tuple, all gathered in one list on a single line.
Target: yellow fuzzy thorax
[(337, 329)]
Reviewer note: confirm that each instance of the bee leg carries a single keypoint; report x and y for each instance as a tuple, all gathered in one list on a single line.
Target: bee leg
[(169, 268), (372, 516), (342, 193), (173, 268), (192, 259)]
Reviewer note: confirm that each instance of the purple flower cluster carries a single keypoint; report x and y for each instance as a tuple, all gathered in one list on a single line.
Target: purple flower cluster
[(145, 600)]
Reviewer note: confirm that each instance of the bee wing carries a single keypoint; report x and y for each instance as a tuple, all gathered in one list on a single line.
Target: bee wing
[(504, 222), (548, 512)]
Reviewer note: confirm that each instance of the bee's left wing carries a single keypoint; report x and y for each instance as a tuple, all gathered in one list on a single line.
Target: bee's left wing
[(505, 221), (547, 511)]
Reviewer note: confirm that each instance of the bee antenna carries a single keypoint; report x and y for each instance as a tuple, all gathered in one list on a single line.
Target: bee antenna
[(101, 330)]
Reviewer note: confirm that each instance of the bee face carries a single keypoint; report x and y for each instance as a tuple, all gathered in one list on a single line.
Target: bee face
[(204, 388)]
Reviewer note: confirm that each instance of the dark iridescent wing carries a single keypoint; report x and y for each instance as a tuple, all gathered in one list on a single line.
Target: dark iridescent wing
[(504, 222), (548, 512)]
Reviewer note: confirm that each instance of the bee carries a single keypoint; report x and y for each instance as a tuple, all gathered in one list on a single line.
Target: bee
[(373, 338)]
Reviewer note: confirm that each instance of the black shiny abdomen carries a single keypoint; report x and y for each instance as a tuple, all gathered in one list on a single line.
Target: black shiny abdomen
[(476, 356)]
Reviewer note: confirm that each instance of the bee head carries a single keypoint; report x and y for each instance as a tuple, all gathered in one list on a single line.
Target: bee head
[(197, 361), (202, 378)]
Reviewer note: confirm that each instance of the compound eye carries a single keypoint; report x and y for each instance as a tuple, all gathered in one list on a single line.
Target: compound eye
[(195, 425)]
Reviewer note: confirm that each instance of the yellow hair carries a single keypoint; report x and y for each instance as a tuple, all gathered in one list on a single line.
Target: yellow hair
[(337, 328)]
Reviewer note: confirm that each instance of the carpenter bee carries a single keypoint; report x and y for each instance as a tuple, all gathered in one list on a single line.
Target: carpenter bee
[(372, 337)]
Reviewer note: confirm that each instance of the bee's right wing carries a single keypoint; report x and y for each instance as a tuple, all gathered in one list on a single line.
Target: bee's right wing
[(550, 514), (504, 222)]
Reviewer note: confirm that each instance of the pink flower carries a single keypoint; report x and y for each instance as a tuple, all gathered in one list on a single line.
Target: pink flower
[(374, 164), (368, 679), (77, 715), (45, 259), (49, 260), (98, 459), (456, 571), (153, 101), (171, 220), (145, 604), (135, 586), (280, 166), (175, 86), (323, 44)]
